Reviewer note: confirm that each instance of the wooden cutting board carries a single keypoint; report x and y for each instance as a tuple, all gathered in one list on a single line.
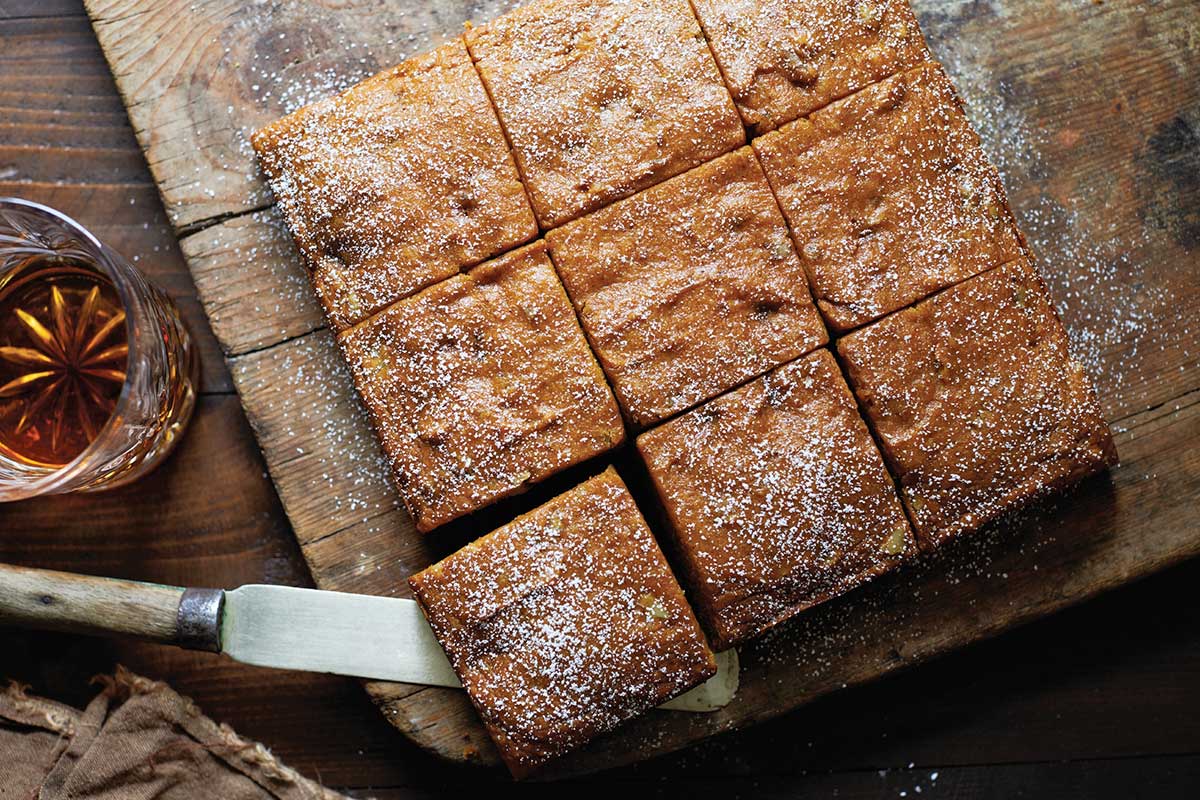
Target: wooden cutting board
[(1092, 111)]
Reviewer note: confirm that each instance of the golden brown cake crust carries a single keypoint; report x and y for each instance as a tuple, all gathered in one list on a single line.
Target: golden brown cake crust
[(688, 288), (601, 98), (481, 384), (564, 623), (396, 183), (976, 401), (783, 59), (889, 196), (777, 497)]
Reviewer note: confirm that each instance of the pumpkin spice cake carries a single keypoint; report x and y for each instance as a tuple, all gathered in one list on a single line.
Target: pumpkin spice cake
[(777, 499), (396, 183), (564, 623), (480, 385), (976, 401), (688, 288), (889, 196), (703, 273), (601, 98), (783, 59)]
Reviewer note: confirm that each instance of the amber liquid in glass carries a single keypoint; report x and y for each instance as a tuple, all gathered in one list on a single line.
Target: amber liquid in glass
[(63, 352)]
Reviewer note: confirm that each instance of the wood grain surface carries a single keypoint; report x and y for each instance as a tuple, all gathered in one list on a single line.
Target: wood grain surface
[(1067, 117), (1137, 220)]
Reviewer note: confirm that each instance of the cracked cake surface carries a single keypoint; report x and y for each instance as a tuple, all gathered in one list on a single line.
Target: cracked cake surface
[(976, 401), (564, 623), (481, 385), (396, 183), (777, 498), (601, 98), (704, 251)]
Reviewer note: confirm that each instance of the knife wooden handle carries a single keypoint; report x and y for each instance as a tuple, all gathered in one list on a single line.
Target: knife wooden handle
[(61, 601)]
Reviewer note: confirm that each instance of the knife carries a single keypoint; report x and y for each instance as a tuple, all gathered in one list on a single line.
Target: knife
[(285, 627)]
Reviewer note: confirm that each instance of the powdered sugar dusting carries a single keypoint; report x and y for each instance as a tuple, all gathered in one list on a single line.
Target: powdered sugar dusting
[(1118, 312), (889, 196), (603, 98), (564, 623), (706, 250), (480, 385), (785, 58), (1089, 272), (309, 390), (778, 498), (976, 402), (272, 298), (397, 183)]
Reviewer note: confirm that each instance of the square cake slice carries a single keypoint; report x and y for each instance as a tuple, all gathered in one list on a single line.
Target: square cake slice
[(777, 499), (601, 98), (889, 196), (783, 59), (564, 623), (688, 288), (976, 401), (480, 385), (397, 183)]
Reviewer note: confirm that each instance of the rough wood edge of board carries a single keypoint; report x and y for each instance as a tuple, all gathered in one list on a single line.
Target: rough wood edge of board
[(1101, 564), (431, 736), (443, 723)]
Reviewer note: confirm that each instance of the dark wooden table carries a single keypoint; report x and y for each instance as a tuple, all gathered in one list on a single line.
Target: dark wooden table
[(1100, 701)]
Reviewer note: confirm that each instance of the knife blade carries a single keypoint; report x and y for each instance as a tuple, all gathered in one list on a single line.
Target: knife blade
[(385, 638), (284, 627), (347, 634)]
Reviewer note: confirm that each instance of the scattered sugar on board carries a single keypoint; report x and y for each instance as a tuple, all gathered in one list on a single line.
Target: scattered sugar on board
[(1101, 313), (295, 59), (1114, 315), (326, 426), (880, 619), (281, 290)]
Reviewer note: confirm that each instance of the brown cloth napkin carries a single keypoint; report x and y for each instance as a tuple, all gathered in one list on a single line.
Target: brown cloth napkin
[(138, 740)]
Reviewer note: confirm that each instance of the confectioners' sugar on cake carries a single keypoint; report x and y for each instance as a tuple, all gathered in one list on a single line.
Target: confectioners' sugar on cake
[(976, 401), (889, 196), (564, 623), (783, 59), (777, 498), (601, 98), (480, 385), (693, 265), (397, 183), (688, 288)]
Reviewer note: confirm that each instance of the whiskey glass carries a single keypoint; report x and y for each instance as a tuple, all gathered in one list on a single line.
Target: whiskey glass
[(98, 375)]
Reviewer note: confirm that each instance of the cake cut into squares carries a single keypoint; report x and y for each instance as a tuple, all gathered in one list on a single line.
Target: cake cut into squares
[(889, 196), (777, 499), (783, 59), (601, 98), (480, 385), (397, 183), (976, 401), (564, 623), (688, 288)]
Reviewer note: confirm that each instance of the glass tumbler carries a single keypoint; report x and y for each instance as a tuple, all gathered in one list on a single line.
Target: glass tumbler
[(98, 375)]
